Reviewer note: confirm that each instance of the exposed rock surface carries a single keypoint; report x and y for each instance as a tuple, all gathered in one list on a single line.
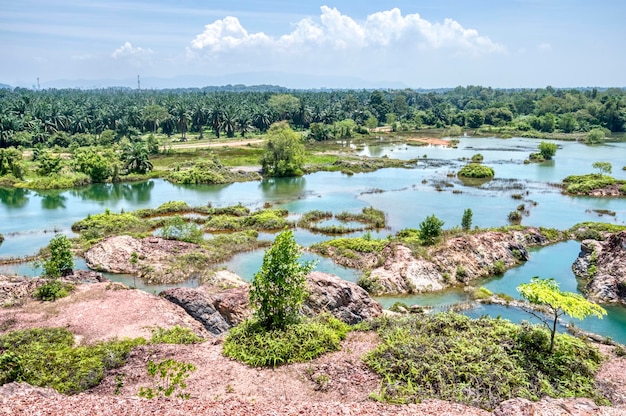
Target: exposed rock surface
[(552, 407), (16, 290), (220, 311), (156, 258), (100, 311), (602, 267), (344, 300), (457, 260)]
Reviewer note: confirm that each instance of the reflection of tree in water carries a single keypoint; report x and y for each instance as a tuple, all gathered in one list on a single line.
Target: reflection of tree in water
[(283, 187), (132, 192), (14, 197), (53, 200)]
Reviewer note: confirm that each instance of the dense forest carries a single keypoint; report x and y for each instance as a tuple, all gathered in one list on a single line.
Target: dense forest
[(74, 118)]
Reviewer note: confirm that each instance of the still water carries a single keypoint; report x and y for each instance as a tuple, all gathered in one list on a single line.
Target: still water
[(29, 219)]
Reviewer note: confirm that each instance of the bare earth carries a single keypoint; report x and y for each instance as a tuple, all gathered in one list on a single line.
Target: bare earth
[(429, 140), (337, 383)]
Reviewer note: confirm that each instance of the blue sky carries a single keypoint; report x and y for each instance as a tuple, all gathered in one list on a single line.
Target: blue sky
[(302, 44)]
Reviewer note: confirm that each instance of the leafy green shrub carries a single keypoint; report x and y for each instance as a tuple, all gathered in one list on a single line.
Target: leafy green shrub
[(171, 375), (466, 220), (252, 344), (476, 170), (61, 261), (594, 230), (498, 267), (347, 245), (174, 335), (108, 223), (176, 228), (279, 287), (481, 293), (437, 357), (173, 207), (585, 184), (48, 358), (430, 229), (477, 158), (52, 290), (370, 284), (515, 217)]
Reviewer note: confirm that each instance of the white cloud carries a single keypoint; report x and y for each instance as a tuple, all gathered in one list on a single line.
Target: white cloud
[(335, 31), (127, 50)]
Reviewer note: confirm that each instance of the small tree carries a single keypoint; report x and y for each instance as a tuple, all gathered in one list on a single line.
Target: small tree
[(279, 287), (284, 152), (547, 150), (430, 229), (61, 261), (603, 167), (595, 136), (546, 293), (466, 221)]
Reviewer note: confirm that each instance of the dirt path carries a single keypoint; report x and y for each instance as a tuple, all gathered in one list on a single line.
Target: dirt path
[(207, 143)]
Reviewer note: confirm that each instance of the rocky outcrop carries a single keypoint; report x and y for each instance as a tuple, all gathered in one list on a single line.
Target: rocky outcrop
[(344, 300), (221, 310), (156, 258), (602, 268), (199, 305), (457, 260)]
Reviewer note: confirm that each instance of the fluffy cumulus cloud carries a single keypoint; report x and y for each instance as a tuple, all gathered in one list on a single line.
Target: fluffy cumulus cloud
[(335, 31), (127, 50)]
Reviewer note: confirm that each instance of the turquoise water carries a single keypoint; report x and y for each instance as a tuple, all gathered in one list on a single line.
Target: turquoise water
[(29, 219)]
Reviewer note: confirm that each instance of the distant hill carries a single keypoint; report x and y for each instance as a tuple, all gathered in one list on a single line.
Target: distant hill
[(5, 87)]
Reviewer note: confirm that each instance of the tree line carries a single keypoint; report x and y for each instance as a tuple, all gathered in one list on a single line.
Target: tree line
[(68, 117)]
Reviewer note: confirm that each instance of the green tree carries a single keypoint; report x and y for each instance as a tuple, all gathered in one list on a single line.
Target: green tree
[(284, 151), (136, 158), (48, 164), (603, 167), (61, 261), (547, 150), (595, 136), (546, 293), (279, 287), (99, 165), (474, 119), (11, 162), (284, 105), (430, 229), (466, 221)]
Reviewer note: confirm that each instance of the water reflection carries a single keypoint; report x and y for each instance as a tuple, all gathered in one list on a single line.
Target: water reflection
[(52, 200), (14, 197), (136, 192), (280, 188)]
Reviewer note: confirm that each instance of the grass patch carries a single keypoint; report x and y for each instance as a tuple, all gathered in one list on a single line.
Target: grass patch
[(586, 184), (174, 335), (250, 343), (102, 225), (594, 230), (437, 357), (347, 245), (47, 358)]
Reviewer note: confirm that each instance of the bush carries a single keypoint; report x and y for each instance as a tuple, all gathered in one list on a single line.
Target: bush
[(52, 290), (47, 358), (585, 184), (252, 344), (547, 150), (476, 170), (430, 229), (515, 217), (437, 357), (176, 228), (171, 378)]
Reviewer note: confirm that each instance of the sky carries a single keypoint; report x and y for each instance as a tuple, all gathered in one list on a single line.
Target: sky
[(314, 44)]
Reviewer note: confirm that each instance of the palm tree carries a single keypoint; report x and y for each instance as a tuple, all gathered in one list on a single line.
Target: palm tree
[(182, 119), (136, 158), (199, 118), (244, 124), (230, 122), (216, 118)]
